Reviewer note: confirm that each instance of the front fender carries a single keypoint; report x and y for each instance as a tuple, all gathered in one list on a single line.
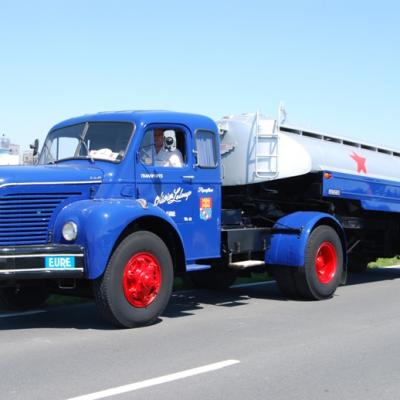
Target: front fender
[(100, 224), (287, 246)]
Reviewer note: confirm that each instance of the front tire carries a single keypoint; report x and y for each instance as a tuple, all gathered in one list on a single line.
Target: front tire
[(137, 283)]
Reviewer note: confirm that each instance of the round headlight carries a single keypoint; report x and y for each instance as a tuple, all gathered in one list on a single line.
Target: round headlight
[(70, 231)]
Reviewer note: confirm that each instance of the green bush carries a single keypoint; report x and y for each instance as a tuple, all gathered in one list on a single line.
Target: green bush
[(384, 262)]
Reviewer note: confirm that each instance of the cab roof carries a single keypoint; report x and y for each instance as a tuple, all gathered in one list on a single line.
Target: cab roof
[(144, 117)]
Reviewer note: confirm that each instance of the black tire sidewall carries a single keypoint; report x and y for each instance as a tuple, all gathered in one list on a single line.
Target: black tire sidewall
[(285, 279), (125, 313), (319, 235)]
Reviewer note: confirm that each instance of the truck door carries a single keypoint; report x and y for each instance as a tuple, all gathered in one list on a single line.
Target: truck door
[(167, 175)]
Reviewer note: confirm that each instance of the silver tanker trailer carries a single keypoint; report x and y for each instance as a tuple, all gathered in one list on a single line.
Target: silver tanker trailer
[(308, 205)]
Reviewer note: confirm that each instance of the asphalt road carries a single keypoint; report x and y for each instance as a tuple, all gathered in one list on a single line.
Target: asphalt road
[(252, 343)]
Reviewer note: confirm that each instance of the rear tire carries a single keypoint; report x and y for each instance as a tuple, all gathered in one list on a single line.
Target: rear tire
[(323, 267), (137, 283), (23, 297), (286, 281)]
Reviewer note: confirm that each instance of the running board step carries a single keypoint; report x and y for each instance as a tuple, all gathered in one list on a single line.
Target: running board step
[(246, 264)]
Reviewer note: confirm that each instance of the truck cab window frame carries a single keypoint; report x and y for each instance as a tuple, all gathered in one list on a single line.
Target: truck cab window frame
[(206, 149), (150, 148), (98, 140)]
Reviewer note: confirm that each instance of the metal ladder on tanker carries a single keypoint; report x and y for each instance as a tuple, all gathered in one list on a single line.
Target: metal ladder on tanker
[(266, 149)]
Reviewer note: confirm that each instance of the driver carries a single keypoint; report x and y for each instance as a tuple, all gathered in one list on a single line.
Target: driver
[(167, 153)]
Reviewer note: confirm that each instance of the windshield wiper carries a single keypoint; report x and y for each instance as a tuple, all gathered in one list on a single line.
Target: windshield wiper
[(82, 141)]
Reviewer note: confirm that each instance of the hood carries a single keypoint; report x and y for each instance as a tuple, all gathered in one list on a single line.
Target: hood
[(48, 174)]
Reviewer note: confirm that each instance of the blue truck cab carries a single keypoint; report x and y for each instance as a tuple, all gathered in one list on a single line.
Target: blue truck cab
[(101, 206)]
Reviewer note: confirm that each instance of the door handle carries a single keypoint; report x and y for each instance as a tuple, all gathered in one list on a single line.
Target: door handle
[(188, 177)]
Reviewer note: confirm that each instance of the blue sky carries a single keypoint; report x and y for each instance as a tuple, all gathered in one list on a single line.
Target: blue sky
[(335, 64)]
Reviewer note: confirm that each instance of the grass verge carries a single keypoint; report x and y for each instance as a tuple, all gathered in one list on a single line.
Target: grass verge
[(384, 262)]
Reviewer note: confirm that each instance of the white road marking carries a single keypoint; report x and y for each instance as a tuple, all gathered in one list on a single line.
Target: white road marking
[(19, 314), (252, 284), (156, 381)]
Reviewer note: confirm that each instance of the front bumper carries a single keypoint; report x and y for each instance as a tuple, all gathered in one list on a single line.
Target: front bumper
[(42, 262)]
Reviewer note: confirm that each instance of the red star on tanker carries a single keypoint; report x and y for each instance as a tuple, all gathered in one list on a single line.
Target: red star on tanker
[(360, 162)]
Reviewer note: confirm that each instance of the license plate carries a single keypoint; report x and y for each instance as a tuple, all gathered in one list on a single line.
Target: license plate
[(59, 262)]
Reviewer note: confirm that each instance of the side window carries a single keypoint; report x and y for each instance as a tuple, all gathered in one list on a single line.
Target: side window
[(206, 146), (163, 147)]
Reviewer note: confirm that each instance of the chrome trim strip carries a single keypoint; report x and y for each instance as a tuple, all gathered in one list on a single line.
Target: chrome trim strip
[(42, 255), (50, 183), (10, 271)]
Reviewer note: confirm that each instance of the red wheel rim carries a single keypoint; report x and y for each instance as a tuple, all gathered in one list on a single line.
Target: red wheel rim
[(141, 279), (326, 262)]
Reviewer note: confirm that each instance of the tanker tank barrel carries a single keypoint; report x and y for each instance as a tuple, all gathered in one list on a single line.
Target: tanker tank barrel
[(254, 150)]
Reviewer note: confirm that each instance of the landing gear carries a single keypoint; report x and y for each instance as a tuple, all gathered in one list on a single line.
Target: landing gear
[(357, 263)]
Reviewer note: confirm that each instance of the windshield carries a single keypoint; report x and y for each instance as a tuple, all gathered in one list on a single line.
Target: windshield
[(92, 140)]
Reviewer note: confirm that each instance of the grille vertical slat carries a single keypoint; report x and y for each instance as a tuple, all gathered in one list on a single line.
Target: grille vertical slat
[(25, 218)]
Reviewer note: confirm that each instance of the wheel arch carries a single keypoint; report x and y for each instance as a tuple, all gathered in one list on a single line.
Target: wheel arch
[(165, 232), (287, 246), (103, 224)]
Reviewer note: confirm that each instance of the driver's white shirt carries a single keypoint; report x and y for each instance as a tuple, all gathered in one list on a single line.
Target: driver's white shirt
[(165, 158)]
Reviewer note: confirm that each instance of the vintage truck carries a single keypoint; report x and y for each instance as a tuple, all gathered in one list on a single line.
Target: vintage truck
[(100, 211)]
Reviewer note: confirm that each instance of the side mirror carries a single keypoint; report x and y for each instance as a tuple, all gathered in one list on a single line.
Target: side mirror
[(35, 147)]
